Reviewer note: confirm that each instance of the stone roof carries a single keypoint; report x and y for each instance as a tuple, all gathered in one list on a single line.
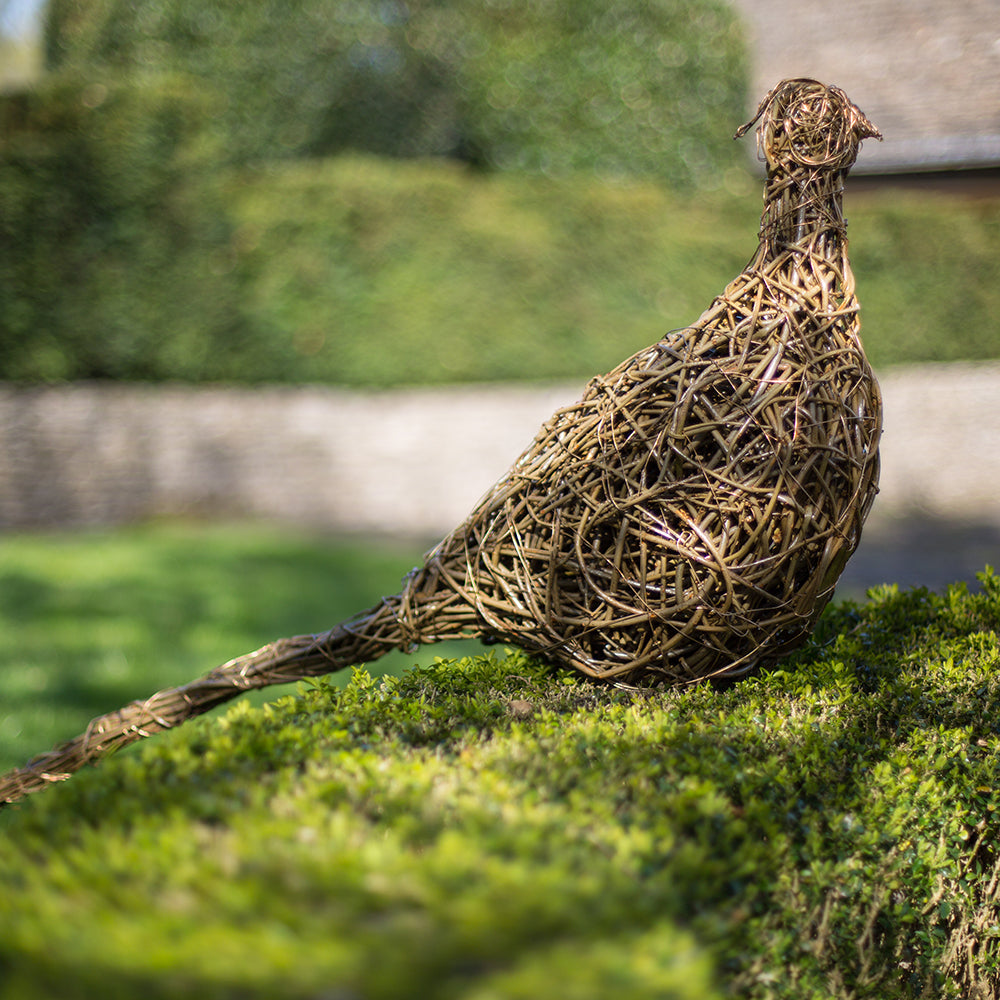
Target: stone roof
[(927, 72)]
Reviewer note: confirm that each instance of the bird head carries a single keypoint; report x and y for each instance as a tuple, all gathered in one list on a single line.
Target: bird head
[(805, 123)]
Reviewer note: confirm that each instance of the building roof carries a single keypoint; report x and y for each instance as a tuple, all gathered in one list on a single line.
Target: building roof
[(927, 72)]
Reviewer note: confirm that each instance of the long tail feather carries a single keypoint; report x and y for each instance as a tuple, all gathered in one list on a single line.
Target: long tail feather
[(361, 640)]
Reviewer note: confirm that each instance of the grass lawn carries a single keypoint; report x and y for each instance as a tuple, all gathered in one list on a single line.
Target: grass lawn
[(92, 620)]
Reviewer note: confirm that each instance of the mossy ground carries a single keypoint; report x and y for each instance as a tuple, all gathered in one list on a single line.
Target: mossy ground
[(488, 828)]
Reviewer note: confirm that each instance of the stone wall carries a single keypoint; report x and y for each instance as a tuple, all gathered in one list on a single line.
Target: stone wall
[(408, 463)]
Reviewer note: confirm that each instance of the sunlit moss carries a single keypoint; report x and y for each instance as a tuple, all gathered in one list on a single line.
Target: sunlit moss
[(485, 827)]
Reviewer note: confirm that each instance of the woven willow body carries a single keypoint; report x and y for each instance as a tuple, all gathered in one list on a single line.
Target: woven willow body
[(687, 518), (691, 514)]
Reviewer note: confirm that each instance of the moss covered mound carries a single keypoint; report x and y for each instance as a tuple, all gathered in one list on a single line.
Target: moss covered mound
[(486, 828)]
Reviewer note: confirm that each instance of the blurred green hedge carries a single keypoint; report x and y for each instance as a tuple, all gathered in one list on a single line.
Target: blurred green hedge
[(141, 238), (107, 225), (365, 271), (361, 271), (125, 176), (622, 86)]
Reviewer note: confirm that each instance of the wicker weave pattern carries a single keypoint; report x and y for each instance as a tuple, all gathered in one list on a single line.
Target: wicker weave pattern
[(691, 514), (687, 518)]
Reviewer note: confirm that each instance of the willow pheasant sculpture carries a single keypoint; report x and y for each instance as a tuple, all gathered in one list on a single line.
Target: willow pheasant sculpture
[(687, 518)]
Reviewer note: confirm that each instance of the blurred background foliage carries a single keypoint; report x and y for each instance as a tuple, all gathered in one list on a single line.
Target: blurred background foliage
[(174, 202), (379, 192), (626, 87)]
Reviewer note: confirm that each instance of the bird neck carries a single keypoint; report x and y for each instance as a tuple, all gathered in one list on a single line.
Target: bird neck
[(803, 215)]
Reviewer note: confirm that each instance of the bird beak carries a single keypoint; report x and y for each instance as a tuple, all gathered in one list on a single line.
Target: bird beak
[(863, 128)]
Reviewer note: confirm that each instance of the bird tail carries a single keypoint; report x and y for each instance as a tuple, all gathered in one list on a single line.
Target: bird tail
[(362, 639)]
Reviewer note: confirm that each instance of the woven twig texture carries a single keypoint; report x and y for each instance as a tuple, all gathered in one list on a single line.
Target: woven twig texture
[(687, 518)]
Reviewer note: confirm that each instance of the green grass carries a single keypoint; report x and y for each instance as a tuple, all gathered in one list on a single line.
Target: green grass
[(90, 621), (485, 828)]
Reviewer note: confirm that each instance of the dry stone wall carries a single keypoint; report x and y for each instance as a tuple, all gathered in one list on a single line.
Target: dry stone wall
[(406, 462), (409, 462)]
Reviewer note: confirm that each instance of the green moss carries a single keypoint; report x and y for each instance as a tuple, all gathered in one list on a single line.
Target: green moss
[(489, 828)]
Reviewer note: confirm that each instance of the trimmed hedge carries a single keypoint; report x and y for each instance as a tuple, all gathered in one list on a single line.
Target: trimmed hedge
[(362, 271), (487, 828), (128, 251), (928, 271), (109, 230), (117, 257)]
